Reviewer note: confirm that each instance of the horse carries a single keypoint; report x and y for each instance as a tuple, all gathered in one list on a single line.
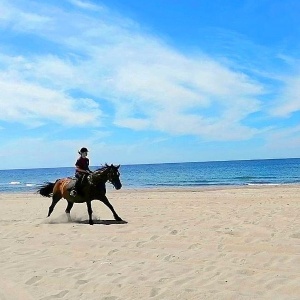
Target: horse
[(93, 188)]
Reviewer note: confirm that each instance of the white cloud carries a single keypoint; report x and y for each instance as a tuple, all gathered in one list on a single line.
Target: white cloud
[(84, 4), (289, 100), (34, 105), (283, 142), (22, 20), (151, 85)]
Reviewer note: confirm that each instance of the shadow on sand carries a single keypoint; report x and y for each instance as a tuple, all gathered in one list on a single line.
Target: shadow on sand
[(100, 222)]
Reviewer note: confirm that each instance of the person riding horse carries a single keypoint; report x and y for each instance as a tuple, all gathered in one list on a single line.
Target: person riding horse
[(81, 172), (94, 189)]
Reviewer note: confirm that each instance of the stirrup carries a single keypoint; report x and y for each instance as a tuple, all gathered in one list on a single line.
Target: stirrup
[(73, 193)]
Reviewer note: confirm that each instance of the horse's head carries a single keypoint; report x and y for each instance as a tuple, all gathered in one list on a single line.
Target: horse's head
[(113, 176), (110, 173)]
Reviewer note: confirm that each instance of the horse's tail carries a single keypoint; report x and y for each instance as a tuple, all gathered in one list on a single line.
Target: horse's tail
[(46, 190)]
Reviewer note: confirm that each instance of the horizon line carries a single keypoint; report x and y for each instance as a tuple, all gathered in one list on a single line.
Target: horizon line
[(162, 163)]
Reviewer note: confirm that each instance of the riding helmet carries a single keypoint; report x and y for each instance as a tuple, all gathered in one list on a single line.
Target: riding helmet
[(83, 150)]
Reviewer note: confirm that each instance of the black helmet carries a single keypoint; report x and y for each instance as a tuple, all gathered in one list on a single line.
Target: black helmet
[(83, 150)]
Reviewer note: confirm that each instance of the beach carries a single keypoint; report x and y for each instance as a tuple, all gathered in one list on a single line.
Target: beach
[(185, 243)]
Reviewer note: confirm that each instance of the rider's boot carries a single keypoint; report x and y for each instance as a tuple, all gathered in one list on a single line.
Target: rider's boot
[(73, 193)]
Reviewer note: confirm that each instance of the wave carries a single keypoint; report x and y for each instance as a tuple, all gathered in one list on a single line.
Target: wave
[(193, 174), (254, 177), (264, 184), (173, 184)]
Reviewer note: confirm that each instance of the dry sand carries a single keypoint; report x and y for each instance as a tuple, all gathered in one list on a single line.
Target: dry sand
[(237, 243)]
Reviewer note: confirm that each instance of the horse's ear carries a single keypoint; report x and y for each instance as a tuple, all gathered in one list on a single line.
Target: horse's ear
[(118, 166)]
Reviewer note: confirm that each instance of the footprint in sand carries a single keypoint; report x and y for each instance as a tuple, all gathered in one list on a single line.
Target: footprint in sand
[(171, 258), (59, 295), (195, 246), (163, 279), (142, 278), (58, 270), (140, 244), (82, 281), (72, 271), (246, 272), (112, 251), (33, 280), (295, 235), (154, 292)]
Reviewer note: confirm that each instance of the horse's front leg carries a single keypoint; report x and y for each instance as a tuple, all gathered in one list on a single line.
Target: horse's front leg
[(90, 211), (107, 203)]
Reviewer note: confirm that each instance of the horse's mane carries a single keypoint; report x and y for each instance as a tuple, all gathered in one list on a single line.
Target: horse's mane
[(103, 168)]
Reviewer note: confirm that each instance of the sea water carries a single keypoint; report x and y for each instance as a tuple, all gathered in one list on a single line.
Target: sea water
[(197, 174)]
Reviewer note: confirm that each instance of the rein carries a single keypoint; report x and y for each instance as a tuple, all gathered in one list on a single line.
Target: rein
[(106, 173)]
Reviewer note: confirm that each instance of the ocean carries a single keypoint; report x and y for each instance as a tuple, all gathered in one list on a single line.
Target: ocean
[(189, 174)]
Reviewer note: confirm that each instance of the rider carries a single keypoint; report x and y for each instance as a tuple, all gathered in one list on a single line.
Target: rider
[(82, 170)]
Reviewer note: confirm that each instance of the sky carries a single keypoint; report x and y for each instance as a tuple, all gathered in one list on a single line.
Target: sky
[(148, 81)]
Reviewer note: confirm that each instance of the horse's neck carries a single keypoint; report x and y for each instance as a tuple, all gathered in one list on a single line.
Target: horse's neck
[(98, 178)]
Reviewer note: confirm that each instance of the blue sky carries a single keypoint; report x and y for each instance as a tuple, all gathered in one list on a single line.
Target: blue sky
[(148, 81)]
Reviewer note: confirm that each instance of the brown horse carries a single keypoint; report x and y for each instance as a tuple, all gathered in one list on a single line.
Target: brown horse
[(93, 188)]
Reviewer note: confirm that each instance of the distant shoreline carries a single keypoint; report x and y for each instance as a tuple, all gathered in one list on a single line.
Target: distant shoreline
[(200, 175), (176, 189), (161, 163)]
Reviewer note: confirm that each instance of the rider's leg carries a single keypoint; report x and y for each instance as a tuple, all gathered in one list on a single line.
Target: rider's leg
[(76, 189)]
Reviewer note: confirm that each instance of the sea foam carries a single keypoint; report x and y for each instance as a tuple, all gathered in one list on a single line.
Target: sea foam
[(15, 182)]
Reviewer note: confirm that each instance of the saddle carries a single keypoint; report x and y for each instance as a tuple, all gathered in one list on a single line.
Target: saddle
[(71, 184)]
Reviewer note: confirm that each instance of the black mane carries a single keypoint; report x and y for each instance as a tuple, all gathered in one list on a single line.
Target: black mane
[(103, 168)]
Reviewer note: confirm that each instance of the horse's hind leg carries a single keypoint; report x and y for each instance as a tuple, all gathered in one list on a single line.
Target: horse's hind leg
[(68, 210), (55, 199)]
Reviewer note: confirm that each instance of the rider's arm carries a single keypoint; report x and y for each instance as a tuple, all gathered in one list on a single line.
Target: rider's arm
[(81, 170)]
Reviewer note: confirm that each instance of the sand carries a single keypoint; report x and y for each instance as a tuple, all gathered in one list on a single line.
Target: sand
[(233, 243)]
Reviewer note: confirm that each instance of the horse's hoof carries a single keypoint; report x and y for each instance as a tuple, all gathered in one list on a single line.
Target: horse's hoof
[(91, 223)]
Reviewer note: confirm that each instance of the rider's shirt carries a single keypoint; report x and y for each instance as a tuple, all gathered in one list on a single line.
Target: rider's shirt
[(82, 163)]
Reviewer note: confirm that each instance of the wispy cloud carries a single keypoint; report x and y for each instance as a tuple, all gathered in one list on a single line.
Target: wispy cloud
[(281, 141), (84, 4), (288, 101), (15, 18), (23, 100), (150, 84)]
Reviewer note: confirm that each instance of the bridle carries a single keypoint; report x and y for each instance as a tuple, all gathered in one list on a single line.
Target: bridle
[(112, 172)]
